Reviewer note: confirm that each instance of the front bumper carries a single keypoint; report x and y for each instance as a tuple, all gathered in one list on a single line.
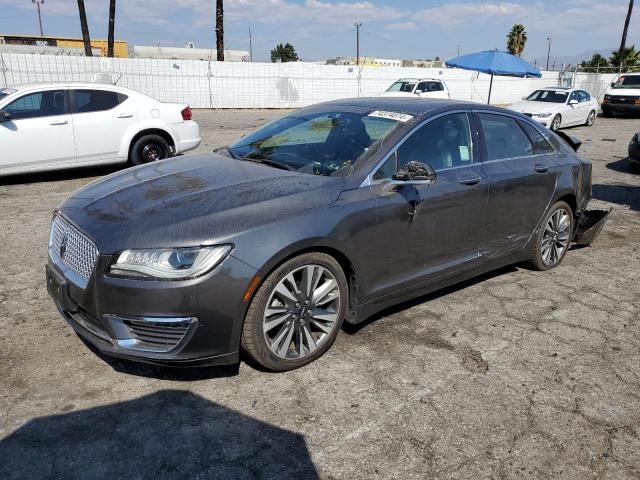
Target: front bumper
[(620, 107), (545, 122), (190, 322)]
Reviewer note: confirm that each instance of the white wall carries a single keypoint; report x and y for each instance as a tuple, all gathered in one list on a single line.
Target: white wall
[(204, 84)]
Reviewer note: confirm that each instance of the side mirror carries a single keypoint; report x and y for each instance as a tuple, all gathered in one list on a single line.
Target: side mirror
[(573, 102), (5, 116), (414, 173)]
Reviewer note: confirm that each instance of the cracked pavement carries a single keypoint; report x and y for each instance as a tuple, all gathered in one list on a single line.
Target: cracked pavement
[(515, 374)]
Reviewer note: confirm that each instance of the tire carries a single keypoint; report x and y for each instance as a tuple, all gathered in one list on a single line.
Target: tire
[(591, 118), (277, 340), (543, 255), (149, 148), (556, 122)]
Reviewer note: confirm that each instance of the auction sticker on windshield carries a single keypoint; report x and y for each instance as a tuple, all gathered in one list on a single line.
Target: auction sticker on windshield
[(400, 117)]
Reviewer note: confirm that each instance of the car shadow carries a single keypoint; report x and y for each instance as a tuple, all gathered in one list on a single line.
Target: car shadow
[(167, 434), (162, 372), (60, 175), (627, 195), (623, 166), (352, 329)]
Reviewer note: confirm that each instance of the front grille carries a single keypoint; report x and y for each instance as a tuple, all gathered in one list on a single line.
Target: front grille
[(69, 247), (623, 100), (157, 335)]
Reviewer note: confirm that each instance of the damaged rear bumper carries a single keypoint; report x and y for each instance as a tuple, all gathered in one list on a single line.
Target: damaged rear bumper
[(589, 224)]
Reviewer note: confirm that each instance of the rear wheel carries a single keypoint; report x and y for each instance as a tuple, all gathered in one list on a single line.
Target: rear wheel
[(591, 118), (149, 148), (556, 122), (296, 314), (553, 238)]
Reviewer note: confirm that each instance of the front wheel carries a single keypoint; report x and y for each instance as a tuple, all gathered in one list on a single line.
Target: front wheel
[(553, 238), (555, 123), (591, 118), (296, 314), (149, 148)]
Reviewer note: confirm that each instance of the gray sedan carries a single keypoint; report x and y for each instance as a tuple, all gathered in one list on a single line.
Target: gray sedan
[(329, 214)]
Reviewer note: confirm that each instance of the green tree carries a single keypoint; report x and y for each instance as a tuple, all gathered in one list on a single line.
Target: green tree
[(597, 63), (630, 58), (516, 39), (284, 53)]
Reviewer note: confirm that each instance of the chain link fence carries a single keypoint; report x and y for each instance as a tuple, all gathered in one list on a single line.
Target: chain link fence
[(211, 84)]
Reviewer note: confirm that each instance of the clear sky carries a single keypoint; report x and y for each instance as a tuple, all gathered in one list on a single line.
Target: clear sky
[(321, 29)]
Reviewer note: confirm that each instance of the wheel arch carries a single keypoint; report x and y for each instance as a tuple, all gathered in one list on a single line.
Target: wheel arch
[(151, 131), (300, 249)]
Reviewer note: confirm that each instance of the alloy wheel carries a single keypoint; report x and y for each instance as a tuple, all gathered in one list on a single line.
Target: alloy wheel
[(591, 118), (151, 153), (555, 125), (556, 237), (301, 312)]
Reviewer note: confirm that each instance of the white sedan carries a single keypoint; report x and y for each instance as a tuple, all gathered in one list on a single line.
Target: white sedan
[(67, 125), (558, 107), (418, 87)]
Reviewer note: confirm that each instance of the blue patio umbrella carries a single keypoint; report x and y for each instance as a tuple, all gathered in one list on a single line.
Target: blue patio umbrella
[(495, 62)]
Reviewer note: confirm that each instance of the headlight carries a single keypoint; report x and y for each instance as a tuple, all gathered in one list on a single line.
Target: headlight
[(168, 263), (542, 115)]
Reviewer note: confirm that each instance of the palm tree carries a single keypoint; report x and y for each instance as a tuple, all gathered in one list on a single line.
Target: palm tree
[(112, 22), (516, 39), (220, 30), (630, 58), (624, 32), (85, 29)]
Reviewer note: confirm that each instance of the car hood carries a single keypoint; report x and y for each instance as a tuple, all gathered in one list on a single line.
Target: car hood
[(624, 92), (190, 200), (534, 107)]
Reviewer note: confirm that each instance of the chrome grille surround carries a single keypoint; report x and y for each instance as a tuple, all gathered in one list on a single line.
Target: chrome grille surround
[(72, 251)]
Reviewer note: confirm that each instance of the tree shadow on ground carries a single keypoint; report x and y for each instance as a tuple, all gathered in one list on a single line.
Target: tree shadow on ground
[(168, 434), (627, 195)]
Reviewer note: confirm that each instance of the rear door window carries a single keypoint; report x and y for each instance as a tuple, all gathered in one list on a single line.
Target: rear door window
[(96, 100), (504, 138), (540, 144), (39, 104)]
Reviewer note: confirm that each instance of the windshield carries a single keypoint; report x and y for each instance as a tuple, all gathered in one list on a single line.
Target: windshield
[(318, 143), (5, 91), (550, 96), (628, 82), (402, 86)]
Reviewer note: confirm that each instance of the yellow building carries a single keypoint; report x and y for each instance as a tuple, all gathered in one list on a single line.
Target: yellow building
[(120, 47)]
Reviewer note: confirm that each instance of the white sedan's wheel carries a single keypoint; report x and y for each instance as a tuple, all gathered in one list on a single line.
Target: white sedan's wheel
[(591, 118)]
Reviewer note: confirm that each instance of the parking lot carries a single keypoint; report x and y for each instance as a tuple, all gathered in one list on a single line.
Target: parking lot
[(517, 374)]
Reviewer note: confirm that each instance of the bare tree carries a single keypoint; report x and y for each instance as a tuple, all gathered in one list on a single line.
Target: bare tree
[(623, 43), (112, 25), (85, 29), (220, 30)]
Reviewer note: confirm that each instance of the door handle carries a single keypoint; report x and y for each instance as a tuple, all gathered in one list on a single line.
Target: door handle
[(469, 180), (540, 168), (125, 115), (59, 122)]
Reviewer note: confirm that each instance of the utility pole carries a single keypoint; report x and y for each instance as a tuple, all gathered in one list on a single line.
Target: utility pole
[(250, 47), (548, 51), (357, 25), (220, 30), (621, 56), (38, 2)]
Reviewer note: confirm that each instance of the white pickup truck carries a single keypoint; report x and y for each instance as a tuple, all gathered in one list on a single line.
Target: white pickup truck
[(623, 96)]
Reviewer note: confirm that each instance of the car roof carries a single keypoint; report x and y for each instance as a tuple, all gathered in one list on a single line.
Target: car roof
[(411, 106), (416, 79), (33, 86)]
